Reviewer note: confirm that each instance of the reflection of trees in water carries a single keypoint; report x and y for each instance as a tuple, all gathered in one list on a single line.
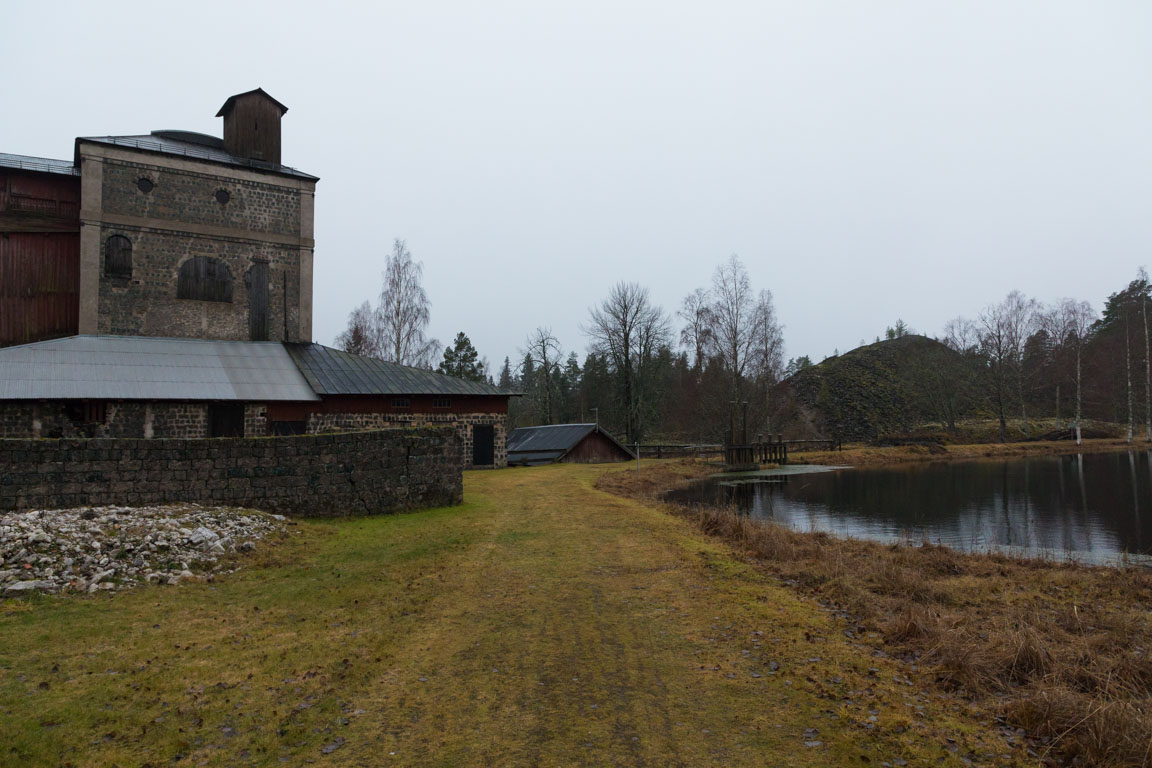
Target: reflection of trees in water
[(1027, 503)]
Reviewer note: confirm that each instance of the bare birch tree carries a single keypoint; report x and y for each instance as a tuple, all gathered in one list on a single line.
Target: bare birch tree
[(696, 336), (1147, 362), (404, 311), (543, 351), (1019, 313), (733, 314), (629, 330), (1128, 371), (1069, 323)]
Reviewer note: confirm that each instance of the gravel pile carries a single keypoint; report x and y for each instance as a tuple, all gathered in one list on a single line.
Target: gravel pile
[(108, 548)]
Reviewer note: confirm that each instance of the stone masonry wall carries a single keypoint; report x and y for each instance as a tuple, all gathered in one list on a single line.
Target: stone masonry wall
[(191, 197), (462, 422), (50, 419), (180, 218), (358, 473), (146, 303)]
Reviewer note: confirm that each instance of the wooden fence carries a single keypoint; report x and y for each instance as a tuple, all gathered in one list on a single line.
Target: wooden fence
[(756, 453)]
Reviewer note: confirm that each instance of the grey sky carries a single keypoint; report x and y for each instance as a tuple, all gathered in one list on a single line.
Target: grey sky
[(867, 160)]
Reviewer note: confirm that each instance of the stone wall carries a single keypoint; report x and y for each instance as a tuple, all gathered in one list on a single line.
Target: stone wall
[(462, 422), (190, 197), (52, 419), (175, 419), (146, 304), (357, 473), (173, 214)]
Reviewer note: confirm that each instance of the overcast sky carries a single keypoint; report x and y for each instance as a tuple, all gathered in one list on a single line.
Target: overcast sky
[(868, 160)]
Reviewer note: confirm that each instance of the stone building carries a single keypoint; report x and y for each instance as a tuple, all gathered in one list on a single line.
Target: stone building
[(118, 268)]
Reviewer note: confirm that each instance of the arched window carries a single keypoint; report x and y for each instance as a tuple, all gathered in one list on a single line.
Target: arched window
[(203, 278), (118, 256)]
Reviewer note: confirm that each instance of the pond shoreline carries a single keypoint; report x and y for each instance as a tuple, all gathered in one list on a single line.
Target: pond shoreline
[(1053, 648)]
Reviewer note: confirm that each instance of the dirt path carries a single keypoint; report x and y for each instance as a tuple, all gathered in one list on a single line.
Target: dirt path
[(543, 623), (585, 629)]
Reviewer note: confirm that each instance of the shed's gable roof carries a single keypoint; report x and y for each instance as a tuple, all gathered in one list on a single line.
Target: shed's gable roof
[(554, 437), (333, 372), (553, 441), (145, 368)]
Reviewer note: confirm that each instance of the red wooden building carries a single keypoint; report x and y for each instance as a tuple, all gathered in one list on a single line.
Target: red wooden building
[(570, 443), (39, 249)]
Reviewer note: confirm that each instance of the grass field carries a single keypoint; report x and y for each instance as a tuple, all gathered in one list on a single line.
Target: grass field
[(542, 623)]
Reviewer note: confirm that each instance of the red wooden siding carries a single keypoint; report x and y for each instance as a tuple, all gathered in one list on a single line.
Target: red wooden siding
[(595, 449), (39, 202), (39, 286)]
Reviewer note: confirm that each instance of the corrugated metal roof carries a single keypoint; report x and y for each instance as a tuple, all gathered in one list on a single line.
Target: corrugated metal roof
[(41, 164), (143, 368), (555, 437), (543, 445), (333, 372), (199, 151)]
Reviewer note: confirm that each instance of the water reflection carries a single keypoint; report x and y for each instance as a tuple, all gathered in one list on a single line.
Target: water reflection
[(1090, 505)]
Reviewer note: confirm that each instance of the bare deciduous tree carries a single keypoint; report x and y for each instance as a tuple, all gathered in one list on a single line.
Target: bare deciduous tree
[(629, 330), (696, 312), (768, 336), (544, 353), (360, 337), (1069, 322), (1005, 327), (1147, 362), (961, 335), (404, 310), (733, 316)]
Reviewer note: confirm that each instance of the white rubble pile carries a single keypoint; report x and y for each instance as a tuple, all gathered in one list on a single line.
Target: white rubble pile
[(106, 548)]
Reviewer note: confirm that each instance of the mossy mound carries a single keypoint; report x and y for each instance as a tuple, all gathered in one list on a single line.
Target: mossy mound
[(878, 389)]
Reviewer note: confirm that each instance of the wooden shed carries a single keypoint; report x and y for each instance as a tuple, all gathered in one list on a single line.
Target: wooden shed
[(578, 443)]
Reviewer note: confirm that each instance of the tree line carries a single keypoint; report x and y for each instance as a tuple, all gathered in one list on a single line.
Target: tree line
[(639, 376), (714, 370), (1023, 358)]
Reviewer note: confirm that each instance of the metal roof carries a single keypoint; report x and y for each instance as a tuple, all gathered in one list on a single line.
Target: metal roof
[(40, 164), (163, 142), (143, 368), (333, 372), (542, 445), (554, 437)]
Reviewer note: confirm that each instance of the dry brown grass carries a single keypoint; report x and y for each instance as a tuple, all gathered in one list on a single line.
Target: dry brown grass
[(859, 455), (1061, 650)]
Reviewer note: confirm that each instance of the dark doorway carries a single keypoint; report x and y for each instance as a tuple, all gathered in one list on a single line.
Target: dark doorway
[(283, 428), (226, 420), (483, 445), (258, 301)]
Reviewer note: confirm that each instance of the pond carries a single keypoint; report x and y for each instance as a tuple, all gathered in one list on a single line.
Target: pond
[(1089, 507)]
